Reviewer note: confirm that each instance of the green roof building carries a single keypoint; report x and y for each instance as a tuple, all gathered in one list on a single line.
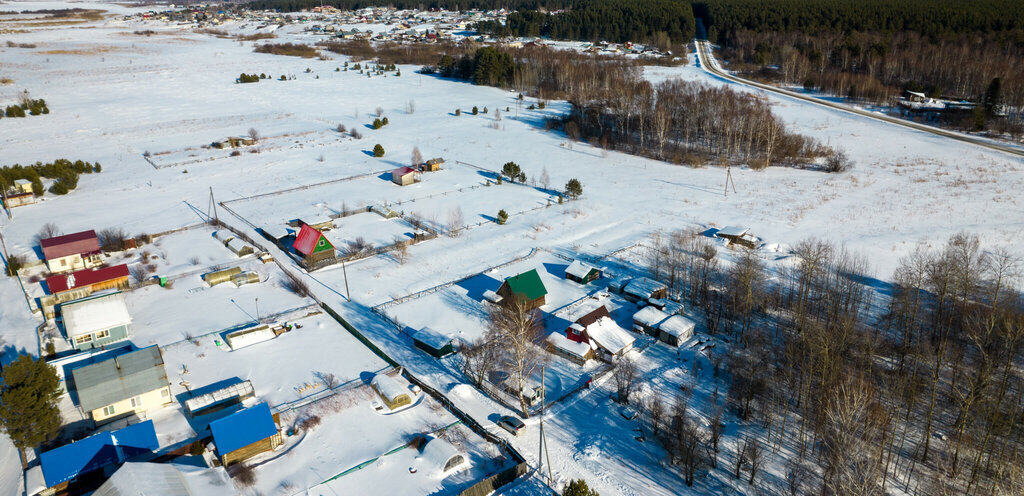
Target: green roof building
[(527, 287)]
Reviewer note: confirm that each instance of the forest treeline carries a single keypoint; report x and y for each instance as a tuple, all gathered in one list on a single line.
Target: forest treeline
[(614, 107), (914, 386), (875, 50), (660, 22), (297, 5)]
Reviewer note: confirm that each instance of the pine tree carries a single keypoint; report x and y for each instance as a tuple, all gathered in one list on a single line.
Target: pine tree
[(502, 216), (573, 189), (378, 151), (578, 487), (512, 170), (28, 402)]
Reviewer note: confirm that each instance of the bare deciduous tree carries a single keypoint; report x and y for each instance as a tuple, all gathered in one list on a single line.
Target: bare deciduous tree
[(401, 250), (625, 376), (48, 230), (254, 134), (516, 327), (417, 157), (478, 359), (455, 221)]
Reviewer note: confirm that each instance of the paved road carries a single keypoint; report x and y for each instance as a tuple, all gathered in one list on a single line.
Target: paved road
[(709, 64)]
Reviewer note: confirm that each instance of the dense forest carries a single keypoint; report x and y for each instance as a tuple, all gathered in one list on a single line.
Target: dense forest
[(657, 21), (297, 5), (874, 50)]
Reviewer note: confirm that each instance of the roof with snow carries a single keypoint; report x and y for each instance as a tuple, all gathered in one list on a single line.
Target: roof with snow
[(243, 428), (119, 378), (97, 451), (432, 338), (732, 231), (608, 335), (650, 317), (388, 387), (579, 269), (440, 455), (166, 479), (593, 316), (644, 287), (310, 240), (528, 284), (94, 313), (558, 340), (70, 244), (63, 282), (678, 326)]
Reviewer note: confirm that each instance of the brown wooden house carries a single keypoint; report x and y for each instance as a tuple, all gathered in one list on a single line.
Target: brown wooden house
[(526, 287)]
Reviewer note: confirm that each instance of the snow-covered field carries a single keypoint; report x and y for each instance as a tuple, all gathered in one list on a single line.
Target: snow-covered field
[(114, 95)]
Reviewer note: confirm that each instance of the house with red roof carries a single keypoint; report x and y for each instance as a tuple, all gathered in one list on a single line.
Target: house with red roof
[(403, 176), (69, 252), (313, 246), (81, 283)]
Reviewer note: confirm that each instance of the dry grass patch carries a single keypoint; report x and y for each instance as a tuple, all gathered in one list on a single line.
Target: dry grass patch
[(290, 49), (255, 36)]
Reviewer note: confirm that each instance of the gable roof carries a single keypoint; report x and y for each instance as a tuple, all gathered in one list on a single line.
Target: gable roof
[(308, 240), (401, 171), (120, 378), (97, 451), (70, 244), (79, 278), (166, 479), (528, 284), (243, 428), (677, 326), (94, 313), (608, 335), (650, 317), (643, 287), (579, 269), (732, 231)]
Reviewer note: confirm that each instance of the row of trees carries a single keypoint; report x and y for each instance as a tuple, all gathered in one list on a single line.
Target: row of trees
[(618, 21), (926, 393), (64, 171)]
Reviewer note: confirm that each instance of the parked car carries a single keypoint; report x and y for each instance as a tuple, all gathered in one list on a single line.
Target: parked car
[(511, 424)]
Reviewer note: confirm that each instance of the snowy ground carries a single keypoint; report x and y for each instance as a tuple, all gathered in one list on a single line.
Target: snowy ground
[(175, 91)]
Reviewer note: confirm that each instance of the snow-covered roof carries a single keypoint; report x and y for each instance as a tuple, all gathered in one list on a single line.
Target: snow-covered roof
[(643, 287), (317, 220), (276, 231), (236, 245), (492, 297), (388, 387), (224, 236), (558, 340), (93, 314), (441, 456), (650, 317), (578, 269), (608, 335), (166, 479), (678, 326), (432, 338), (734, 231)]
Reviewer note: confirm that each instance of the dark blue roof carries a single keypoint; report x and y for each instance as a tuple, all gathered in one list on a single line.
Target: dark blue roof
[(241, 429), (97, 451)]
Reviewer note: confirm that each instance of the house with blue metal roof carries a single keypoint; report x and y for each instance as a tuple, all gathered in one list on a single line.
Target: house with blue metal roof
[(64, 464), (245, 434)]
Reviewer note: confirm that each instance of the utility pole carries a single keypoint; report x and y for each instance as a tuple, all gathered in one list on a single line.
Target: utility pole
[(543, 439), (213, 206), (345, 273), (728, 180), (257, 310)]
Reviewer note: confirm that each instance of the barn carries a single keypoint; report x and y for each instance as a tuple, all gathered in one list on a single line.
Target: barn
[(527, 287), (581, 272), (313, 246), (245, 434)]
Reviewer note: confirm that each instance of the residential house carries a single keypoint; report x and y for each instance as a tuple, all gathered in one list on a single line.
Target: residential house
[(313, 246), (576, 351), (432, 165), (79, 284), (133, 383), (95, 321), (245, 434), (581, 272), (403, 176), (599, 330), (69, 252), (648, 319), (436, 344), (393, 394), (675, 330), (643, 289), (61, 466), (526, 287), (166, 479)]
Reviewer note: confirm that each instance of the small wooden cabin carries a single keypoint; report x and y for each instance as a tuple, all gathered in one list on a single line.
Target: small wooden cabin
[(526, 287), (581, 272), (245, 434), (313, 246)]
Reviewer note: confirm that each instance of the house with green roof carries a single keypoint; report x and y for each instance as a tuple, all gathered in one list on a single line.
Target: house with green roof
[(526, 287)]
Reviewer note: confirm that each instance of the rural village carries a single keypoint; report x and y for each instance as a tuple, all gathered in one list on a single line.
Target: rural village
[(354, 278)]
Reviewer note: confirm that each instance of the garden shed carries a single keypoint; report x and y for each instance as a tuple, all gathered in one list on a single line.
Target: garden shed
[(245, 434), (436, 344)]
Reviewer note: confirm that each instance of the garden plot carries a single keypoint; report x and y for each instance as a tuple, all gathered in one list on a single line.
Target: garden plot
[(351, 433), (277, 376), (191, 307), (245, 145), (373, 229)]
